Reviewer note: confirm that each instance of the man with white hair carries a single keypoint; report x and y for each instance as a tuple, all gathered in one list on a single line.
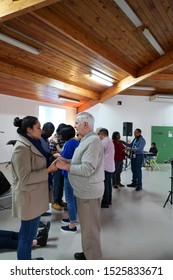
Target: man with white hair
[(86, 175)]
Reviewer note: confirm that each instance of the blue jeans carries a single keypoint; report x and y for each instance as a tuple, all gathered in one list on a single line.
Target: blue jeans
[(58, 185), (107, 196), (27, 234), (8, 239), (136, 167), (71, 201)]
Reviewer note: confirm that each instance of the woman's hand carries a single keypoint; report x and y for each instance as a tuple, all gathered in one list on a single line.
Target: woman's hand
[(52, 167)]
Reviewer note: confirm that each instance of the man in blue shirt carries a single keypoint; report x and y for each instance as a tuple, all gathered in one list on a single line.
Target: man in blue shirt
[(137, 157)]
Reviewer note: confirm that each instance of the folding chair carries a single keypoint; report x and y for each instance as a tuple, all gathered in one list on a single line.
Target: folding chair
[(153, 164)]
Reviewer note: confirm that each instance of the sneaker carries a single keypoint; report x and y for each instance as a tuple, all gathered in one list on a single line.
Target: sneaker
[(63, 203), (67, 229), (57, 207), (65, 221), (79, 256)]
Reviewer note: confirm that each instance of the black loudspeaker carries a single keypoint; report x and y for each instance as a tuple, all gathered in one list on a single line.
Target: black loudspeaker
[(127, 128)]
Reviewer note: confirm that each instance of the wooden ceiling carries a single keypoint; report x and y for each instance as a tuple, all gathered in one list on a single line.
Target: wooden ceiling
[(77, 36)]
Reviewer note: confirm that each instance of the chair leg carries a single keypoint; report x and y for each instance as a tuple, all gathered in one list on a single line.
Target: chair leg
[(8, 164)]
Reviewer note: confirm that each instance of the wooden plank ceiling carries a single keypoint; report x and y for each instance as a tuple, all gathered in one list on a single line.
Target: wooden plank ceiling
[(75, 37)]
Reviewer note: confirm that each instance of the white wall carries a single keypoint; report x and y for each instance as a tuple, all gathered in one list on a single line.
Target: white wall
[(139, 110), (11, 107)]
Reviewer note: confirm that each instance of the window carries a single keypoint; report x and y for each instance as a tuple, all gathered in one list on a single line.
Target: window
[(50, 114)]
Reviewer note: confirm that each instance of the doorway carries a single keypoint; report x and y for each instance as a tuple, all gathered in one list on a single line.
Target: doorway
[(163, 137)]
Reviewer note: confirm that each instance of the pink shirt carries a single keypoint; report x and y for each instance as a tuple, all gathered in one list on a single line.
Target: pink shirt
[(108, 146)]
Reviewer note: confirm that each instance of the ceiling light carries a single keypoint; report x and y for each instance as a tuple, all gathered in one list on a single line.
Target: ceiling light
[(153, 41), (142, 88), (103, 76), (18, 44), (128, 12), (101, 80), (68, 99)]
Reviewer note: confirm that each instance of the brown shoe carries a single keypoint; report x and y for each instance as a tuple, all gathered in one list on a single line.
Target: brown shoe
[(57, 207), (115, 186), (63, 203)]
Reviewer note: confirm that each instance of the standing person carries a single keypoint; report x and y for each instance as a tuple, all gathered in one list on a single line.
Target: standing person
[(86, 175), (30, 169), (137, 157), (109, 166), (71, 143), (47, 131), (56, 145), (119, 157)]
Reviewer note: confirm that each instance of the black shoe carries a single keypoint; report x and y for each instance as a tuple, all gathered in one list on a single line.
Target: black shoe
[(42, 239), (39, 258), (79, 256), (44, 230), (138, 189), (46, 214), (43, 235), (104, 206), (131, 185), (41, 225), (120, 185)]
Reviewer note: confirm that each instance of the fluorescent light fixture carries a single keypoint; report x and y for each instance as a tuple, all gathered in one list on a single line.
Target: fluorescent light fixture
[(142, 88), (153, 41), (128, 12), (162, 98), (18, 44), (68, 99), (101, 78)]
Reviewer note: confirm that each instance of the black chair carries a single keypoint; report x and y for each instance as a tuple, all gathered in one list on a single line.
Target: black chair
[(11, 142)]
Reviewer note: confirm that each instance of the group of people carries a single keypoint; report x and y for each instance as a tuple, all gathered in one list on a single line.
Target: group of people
[(85, 166)]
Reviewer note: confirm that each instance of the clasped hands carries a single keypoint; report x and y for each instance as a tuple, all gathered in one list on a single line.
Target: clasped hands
[(62, 163)]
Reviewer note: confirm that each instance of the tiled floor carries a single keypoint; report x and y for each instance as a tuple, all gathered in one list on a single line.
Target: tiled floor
[(136, 226)]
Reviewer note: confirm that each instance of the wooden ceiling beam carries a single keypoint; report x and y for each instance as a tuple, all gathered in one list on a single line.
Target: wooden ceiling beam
[(162, 77), (13, 8), (23, 74), (160, 64), (53, 20)]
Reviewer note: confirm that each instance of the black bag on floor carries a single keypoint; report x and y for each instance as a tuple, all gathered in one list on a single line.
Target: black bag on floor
[(4, 184)]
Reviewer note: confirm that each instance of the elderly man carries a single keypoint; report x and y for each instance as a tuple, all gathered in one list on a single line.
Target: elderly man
[(86, 175)]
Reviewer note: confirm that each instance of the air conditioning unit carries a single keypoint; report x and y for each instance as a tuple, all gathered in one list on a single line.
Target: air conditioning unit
[(162, 98)]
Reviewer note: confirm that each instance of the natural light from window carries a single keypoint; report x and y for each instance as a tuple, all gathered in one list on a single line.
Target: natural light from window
[(50, 114)]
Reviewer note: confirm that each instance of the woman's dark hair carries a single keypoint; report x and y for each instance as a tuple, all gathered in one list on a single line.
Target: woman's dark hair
[(68, 132), (23, 124), (115, 135), (60, 127)]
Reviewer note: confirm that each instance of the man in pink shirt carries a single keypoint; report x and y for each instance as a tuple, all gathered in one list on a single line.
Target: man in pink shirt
[(109, 166)]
